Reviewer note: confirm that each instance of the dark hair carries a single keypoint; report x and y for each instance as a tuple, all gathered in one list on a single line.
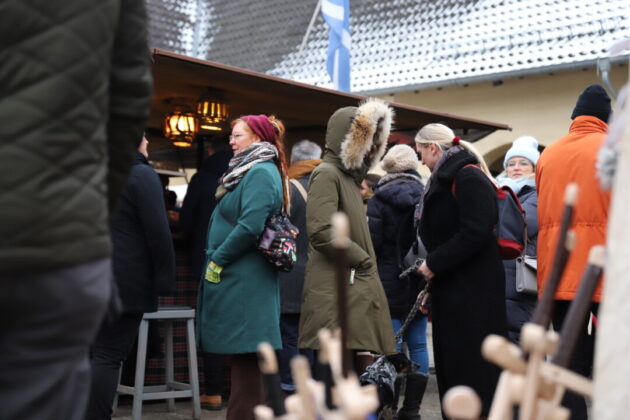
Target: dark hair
[(170, 199), (372, 179)]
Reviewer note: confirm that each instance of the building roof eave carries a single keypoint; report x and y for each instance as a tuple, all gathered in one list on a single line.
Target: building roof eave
[(461, 81)]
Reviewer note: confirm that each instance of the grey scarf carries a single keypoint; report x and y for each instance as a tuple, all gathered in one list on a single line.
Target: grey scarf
[(243, 162)]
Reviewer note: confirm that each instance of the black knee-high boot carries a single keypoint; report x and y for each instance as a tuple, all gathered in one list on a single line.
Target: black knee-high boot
[(414, 391)]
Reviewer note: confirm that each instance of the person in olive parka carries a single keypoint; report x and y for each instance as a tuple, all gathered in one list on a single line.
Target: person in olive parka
[(355, 140)]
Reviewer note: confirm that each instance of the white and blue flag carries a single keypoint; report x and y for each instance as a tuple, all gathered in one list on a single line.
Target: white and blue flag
[(337, 15)]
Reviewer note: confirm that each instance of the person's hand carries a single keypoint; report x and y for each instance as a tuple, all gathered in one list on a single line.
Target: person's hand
[(424, 304), (426, 271)]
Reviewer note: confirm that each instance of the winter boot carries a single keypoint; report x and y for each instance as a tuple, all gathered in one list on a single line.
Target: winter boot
[(414, 391)]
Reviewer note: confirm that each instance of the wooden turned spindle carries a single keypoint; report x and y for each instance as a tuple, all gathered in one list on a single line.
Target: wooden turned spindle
[(341, 242), (544, 308), (271, 378), (462, 403)]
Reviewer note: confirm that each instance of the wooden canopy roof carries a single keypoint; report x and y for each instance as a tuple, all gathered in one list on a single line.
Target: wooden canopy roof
[(303, 108)]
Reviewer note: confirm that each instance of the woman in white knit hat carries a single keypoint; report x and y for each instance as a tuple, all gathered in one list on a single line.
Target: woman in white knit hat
[(520, 164), (390, 217)]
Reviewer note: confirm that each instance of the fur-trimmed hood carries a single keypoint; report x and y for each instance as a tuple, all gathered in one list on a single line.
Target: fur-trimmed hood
[(356, 137)]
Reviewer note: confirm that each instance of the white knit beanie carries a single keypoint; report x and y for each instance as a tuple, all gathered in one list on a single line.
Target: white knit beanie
[(524, 146), (400, 158)]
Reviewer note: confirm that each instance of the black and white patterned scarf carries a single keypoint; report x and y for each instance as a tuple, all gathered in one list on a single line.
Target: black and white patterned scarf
[(243, 162)]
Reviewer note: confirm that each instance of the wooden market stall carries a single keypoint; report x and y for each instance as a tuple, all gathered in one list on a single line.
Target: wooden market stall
[(303, 108)]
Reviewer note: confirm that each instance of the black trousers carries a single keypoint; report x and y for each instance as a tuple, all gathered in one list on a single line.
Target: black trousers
[(582, 361), (47, 324), (213, 365), (112, 346)]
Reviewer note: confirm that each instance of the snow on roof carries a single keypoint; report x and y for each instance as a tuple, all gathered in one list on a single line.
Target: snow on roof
[(396, 44)]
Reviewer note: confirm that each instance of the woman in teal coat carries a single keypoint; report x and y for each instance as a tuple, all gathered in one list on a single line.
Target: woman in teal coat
[(239, 304)]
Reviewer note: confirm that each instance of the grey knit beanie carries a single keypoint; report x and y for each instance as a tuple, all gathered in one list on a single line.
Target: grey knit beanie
[(400, 158)]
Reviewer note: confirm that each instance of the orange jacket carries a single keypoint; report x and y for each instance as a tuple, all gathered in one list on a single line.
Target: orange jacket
[(571, 159)]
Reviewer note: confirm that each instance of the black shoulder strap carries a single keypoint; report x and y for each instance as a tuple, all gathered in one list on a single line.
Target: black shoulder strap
[(399, 231)]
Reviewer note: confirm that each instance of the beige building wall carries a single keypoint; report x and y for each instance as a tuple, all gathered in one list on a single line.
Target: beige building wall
[(538, 105)]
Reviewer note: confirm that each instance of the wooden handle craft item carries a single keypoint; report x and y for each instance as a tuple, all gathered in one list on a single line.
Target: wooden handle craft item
[(462, 403), (341, 242), (271, 379), (577, 317), (544, 309), (324, 370), (301, 375)]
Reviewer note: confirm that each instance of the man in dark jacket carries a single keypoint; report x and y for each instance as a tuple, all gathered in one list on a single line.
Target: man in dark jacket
[(194, 216), (76, 87), (199, 202), (144, 266), (305, 156)]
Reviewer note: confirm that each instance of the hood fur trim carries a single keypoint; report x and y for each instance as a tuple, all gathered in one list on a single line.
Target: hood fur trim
[(367, 139)]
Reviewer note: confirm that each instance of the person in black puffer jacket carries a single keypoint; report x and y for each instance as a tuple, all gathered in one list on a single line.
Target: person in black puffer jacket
[(391, 221), (520, 163)]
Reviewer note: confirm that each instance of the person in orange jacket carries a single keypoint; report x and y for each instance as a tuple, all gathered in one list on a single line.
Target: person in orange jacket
[(572, 159)]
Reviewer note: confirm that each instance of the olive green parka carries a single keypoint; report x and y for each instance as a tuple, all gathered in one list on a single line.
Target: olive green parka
[(355, 140)]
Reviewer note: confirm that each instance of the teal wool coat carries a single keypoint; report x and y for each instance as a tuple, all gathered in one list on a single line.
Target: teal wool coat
[(243, 309)]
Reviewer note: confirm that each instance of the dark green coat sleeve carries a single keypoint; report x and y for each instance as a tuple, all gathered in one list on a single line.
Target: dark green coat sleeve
[(323, 202), (259, 199)]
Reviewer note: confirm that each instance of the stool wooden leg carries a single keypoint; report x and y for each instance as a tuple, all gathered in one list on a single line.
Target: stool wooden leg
[(192, 368), (170, 364), (141, 360)]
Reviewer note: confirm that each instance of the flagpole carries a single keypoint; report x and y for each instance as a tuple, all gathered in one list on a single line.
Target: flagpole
[(310, 25)]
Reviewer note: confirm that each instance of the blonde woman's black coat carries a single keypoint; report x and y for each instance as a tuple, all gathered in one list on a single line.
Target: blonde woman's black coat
[(468, 291)]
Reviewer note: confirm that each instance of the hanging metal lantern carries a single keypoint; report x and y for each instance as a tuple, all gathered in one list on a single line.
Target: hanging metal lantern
[(213, 110), (181, 126)]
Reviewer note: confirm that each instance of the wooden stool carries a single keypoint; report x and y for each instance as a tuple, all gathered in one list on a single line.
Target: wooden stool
[(171, 389)]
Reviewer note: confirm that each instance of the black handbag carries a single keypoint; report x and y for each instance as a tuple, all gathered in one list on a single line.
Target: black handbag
[(278, 242)]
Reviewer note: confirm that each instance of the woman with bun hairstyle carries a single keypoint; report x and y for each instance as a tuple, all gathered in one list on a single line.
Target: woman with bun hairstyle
[(463, 261), (239, 300), (390, 217), (520, 175)]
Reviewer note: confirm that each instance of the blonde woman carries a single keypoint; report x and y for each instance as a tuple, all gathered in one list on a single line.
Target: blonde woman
[(463, 261)]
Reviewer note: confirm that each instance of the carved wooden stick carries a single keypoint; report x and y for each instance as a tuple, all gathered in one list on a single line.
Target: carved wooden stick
[(341, 242), (271, 379), (461, 402), (577, 317), (301, 374), (323, 367), (544, 309), (533, 340)]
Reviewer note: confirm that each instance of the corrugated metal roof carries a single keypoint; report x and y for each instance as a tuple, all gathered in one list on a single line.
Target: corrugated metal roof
[(396, 44)]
